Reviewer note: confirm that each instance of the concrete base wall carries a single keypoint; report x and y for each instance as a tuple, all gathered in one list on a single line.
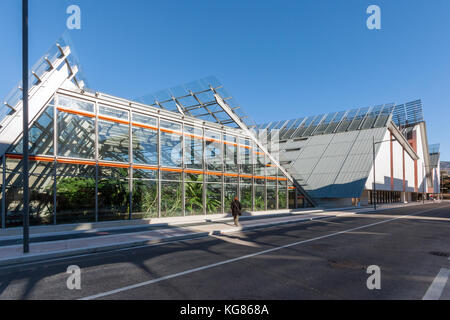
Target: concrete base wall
[(334, 202)]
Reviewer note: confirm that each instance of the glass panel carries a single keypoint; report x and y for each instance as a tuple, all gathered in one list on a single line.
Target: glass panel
[(213, 198), (214, 178), (282, 201), (170, 125), (143, 119), (145, 146), (113, 112), (113, 193), (231, 191), (354, 125), (347, 120), (13, 198), (291, 198), (193, 150), (302, 127), (171, 199), (76, 136), (333, 125), (230, 157), (230, 179), (145, 174), (246, 196), (41, 134), (41, 192), (213, 151), (171, 175), (145, 199), (171, 151), (71, 103), (41, 184), (260, 163), (259, 198), (194, 195), (271, 197), (75, 193), (271, 170), (245, 159), (113, 141)]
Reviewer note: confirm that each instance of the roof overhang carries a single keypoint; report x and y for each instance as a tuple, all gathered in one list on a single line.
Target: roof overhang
[(402, 140)]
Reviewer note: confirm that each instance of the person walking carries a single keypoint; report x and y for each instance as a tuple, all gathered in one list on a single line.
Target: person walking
[(236, 209)]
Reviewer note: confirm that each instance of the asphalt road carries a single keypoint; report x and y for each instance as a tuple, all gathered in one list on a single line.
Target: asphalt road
[(324, 259)]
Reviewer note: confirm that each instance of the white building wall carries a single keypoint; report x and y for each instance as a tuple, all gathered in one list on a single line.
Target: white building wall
[(420, 169), (437, 178), (409, 173), (383, 168), (398, 165)]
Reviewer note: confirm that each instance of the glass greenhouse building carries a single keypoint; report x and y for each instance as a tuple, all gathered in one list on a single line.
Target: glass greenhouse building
[(95, 157)]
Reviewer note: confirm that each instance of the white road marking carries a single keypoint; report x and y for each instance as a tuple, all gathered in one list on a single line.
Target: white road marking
[(436, 288), (209, 266)]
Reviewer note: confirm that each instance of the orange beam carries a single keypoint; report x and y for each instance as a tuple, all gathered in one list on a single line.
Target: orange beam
[(193, 171), (193, 136), (114, 119), (170, 131), (114, 165), (171, 170), (139, 166), (231, 174), (214, 173), (144, 126), (39, 158), (70, 161)]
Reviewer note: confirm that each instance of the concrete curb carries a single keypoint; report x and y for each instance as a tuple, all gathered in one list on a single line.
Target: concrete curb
[(161, 225), (98, 249)]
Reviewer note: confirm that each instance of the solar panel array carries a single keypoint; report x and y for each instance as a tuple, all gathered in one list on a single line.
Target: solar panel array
[(354, 119)]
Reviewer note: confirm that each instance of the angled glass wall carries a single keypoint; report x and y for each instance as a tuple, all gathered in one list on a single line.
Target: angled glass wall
[(95, 160)]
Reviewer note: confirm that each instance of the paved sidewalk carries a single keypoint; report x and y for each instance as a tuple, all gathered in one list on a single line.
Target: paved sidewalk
[(52, 249), (104, 241)]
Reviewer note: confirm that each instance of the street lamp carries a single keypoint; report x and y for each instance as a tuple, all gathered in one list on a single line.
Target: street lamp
[(424, 179), (374, 191), (26, 197)]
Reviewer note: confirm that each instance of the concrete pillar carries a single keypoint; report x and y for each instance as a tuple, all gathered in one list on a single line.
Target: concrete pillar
[(404, 197)]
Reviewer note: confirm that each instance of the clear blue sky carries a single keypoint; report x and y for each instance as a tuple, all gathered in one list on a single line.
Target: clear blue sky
[(280, 59)]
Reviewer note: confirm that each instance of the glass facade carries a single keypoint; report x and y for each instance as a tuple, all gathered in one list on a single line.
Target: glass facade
[(75, 192), (92, 160)]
